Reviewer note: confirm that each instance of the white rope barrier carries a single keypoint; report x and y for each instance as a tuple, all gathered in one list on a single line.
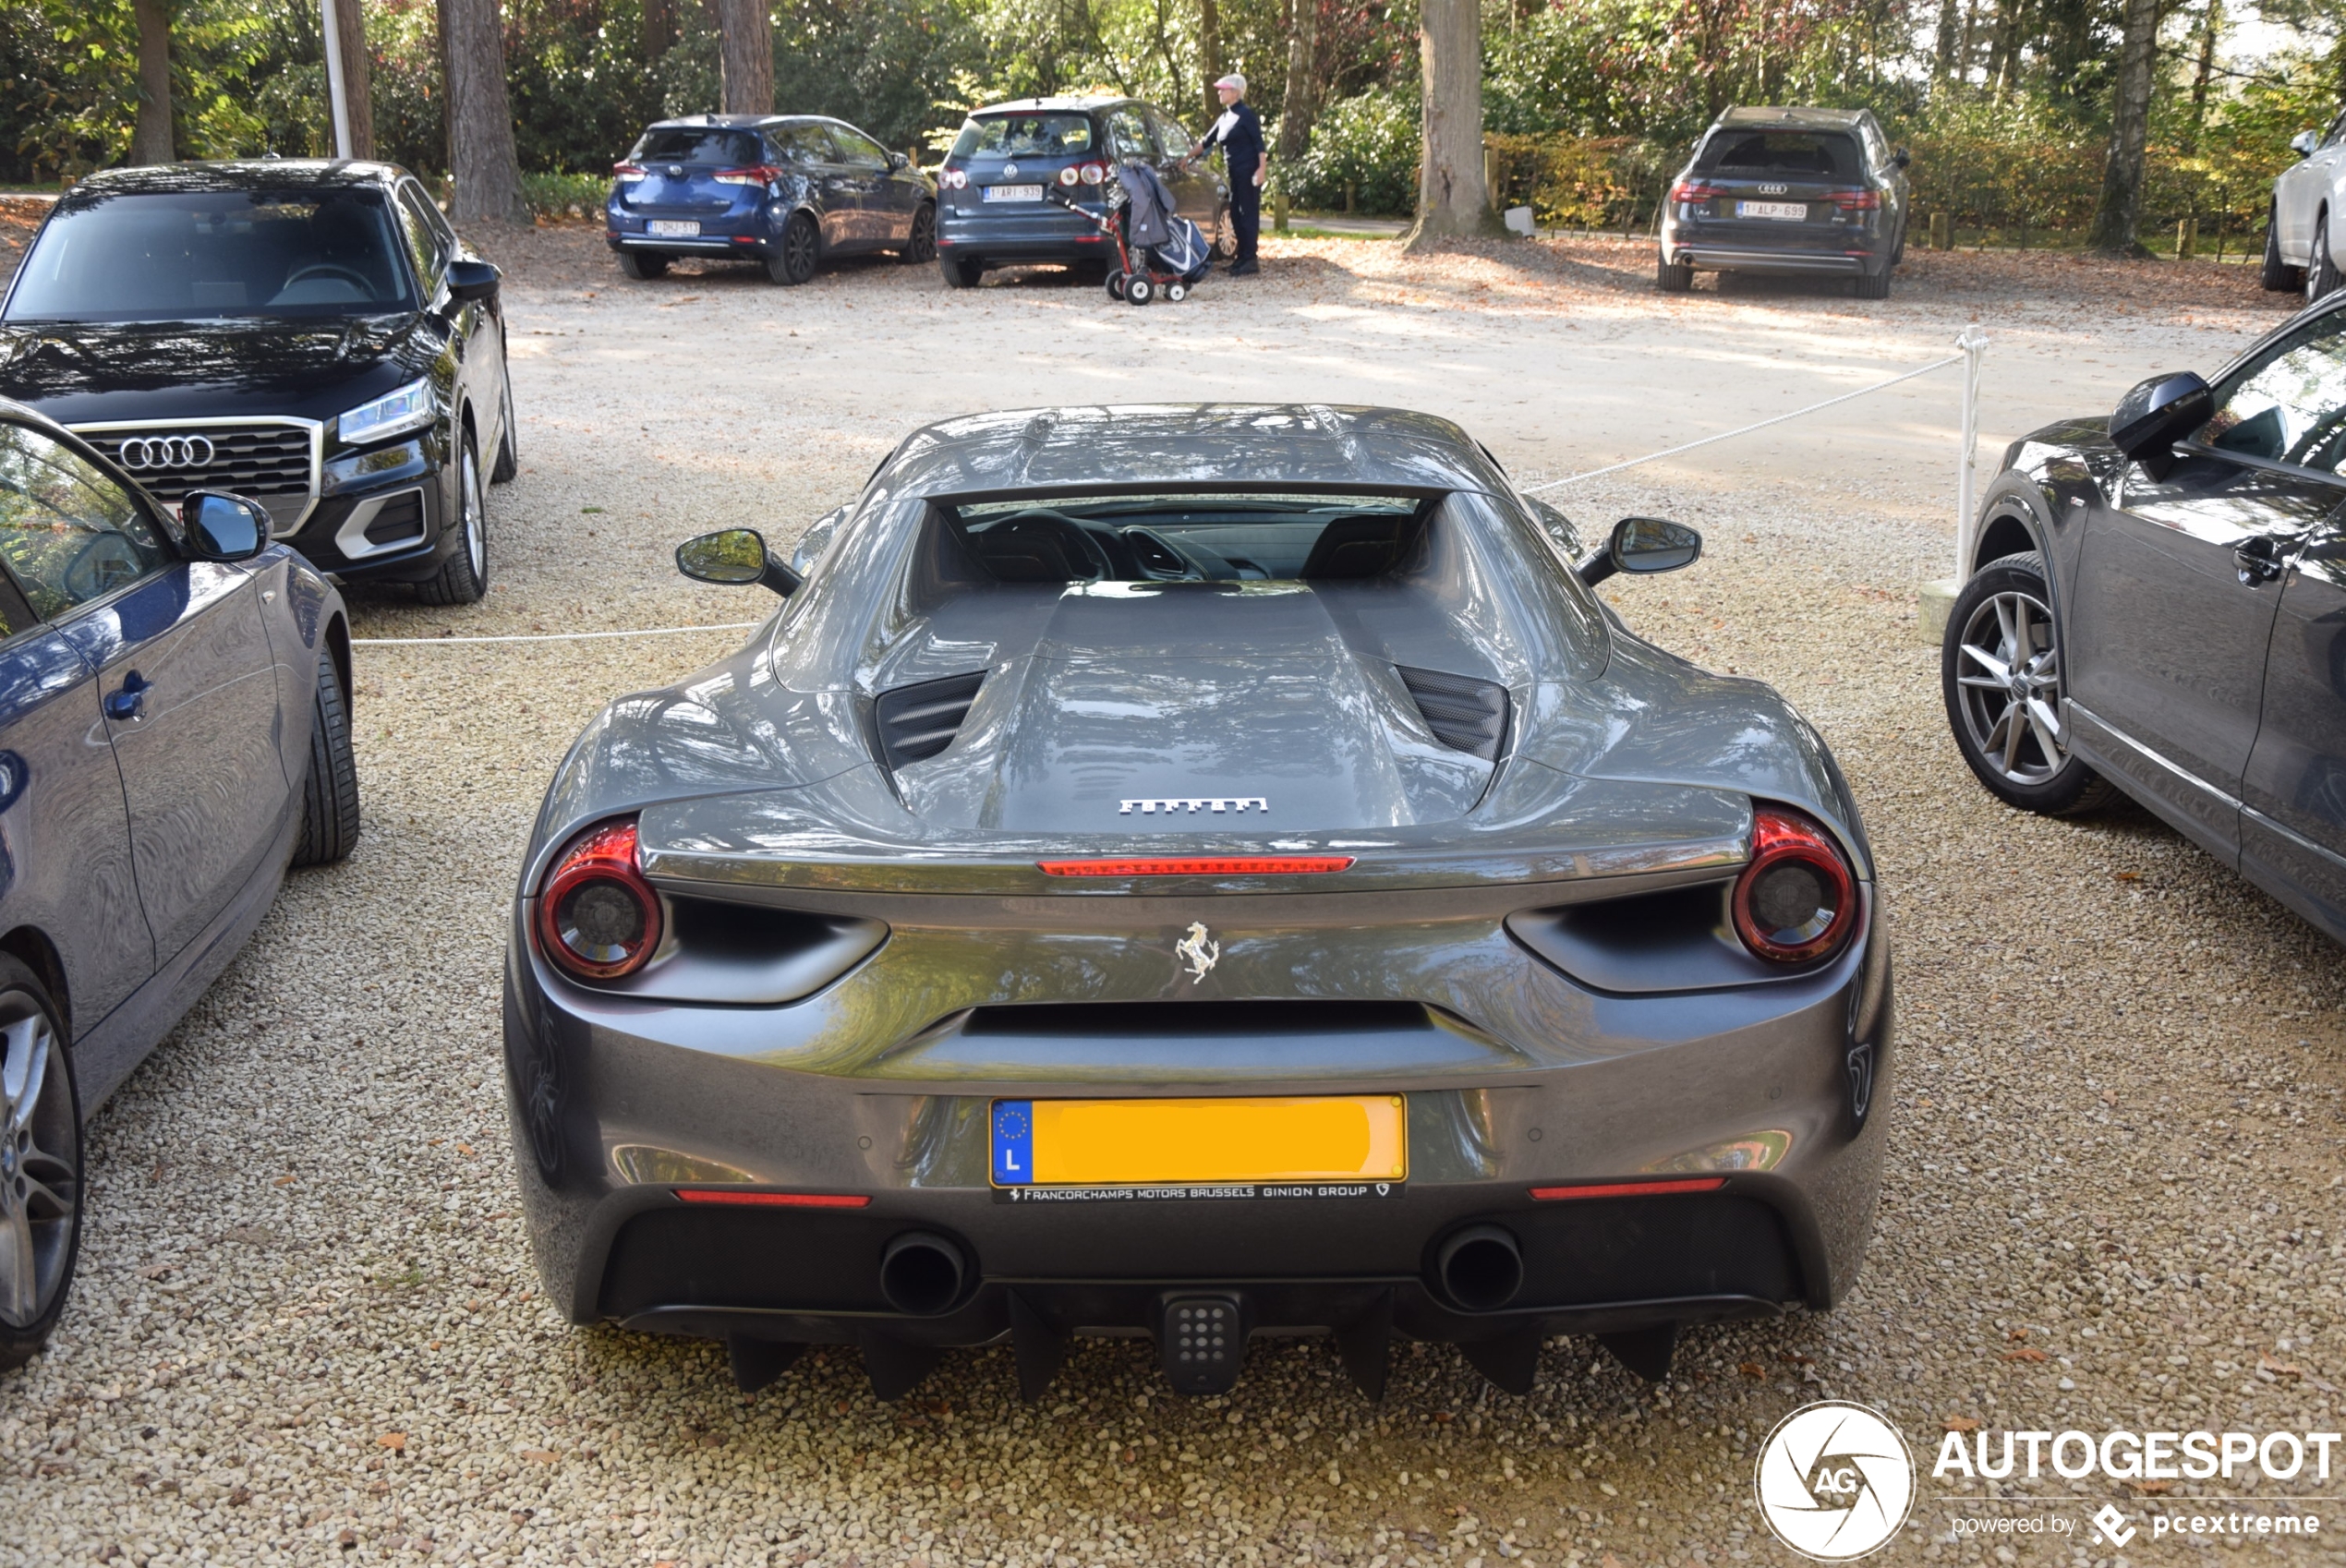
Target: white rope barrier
[(550, 636)]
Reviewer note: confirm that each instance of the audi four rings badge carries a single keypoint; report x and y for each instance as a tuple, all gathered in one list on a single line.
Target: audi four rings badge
[(142, 454)]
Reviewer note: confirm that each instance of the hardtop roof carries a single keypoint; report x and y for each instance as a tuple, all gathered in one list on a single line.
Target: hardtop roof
[(1795, 119), (243, 174)]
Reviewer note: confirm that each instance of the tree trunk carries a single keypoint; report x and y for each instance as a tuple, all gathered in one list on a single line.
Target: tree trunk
[(1295, 103), (658, 29), (1950, 36), (2119, 217), (150, 137), (746, 35), (1451, 199), (2209, 25), (357, 75), (1209, 55), (480, 117)]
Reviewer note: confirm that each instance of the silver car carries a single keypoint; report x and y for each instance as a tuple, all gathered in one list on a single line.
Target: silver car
[(1197, 872)]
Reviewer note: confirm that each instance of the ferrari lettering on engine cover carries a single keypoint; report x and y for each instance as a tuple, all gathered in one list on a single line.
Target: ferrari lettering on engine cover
[(1193, 804)]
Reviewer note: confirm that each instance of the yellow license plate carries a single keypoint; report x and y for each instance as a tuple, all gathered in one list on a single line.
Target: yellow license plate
[(1149, 1142)]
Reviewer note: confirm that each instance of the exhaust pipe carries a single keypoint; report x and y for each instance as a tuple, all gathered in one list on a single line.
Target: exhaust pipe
[(1481, 1267), (921, 1273)]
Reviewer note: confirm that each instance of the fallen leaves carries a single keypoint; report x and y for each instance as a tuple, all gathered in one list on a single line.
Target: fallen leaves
[(2279, 1369), (395, 1442), (540, 1455), (2027, 1353), (1752, 1370), (1961, 1423)]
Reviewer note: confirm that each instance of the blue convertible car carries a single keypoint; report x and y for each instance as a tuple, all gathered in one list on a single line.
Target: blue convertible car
[(175, 701)]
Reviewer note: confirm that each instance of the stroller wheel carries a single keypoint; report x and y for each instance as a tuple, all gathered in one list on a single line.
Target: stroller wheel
[(1139, 290), (1116, 286), (1177, 292)]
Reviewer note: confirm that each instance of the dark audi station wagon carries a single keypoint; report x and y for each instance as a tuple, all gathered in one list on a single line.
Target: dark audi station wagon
[(990, 207), (1788, 191)]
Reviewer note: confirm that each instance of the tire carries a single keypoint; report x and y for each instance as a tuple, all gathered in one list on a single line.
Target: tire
[(2007, 606), (2278, 276), (1176, 293), (508, 462), (1139, 290), (41, 1187), (801, 249), (1672, 277), (329, 792), (921, 247), (1115, 284), (2321, 272), (642, 265), (463, 577), (959, 272), (1873, 285), (1226, 240)]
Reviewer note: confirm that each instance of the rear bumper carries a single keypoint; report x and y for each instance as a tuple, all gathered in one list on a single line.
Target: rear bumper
[(1707, 256), (1044, 232), (707, 244), (615, 1109)]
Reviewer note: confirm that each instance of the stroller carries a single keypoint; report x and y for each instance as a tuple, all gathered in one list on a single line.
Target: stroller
[(1158, 251)]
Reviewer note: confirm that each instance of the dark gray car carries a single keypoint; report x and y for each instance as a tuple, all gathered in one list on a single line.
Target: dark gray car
[(1788, 191), (2158, 605), (1196, 871)]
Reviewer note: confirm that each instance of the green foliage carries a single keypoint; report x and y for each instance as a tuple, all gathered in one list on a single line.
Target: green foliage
[(1367, 144), (560, 196)]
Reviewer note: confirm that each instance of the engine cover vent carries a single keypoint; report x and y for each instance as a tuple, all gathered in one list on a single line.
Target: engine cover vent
[(916, 722), (1464, 714)]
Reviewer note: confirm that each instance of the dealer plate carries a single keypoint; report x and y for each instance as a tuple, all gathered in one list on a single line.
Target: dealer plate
[(1357, 1139), (1783, 211), (673, 228), (1014, 193)]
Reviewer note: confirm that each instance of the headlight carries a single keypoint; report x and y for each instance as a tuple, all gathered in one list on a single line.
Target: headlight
[(409, 408)]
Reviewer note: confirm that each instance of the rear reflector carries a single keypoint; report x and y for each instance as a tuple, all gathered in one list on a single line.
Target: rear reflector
[(772, 1200), (1200, 865), (1631, 1188)]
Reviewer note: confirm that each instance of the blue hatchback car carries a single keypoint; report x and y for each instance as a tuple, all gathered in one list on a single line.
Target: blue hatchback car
[(785, 191), (175, 730)]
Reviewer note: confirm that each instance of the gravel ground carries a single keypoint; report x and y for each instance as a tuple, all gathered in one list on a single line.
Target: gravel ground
[(305, 1329)]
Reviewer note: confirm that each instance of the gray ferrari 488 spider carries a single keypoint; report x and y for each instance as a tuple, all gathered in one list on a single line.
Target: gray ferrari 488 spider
[(1197, 872)]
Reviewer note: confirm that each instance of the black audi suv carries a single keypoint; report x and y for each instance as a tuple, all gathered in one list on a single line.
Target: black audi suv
[(2156, 605), (990, 208), (314, 336), (784, 191), (1788, 191)]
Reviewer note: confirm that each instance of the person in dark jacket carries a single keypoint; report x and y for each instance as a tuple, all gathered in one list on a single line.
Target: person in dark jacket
[(1239, 133)]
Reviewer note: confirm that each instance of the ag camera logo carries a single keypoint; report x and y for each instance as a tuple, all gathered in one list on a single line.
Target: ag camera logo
[(1835, 1481)]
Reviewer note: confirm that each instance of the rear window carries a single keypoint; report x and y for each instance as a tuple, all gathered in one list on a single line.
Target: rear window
[(1782, 153), (724, 149), (197, 255), (1192, 537), (1023, 135)]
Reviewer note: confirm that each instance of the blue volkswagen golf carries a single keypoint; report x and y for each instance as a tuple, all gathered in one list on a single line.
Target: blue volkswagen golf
[(175, 730), (785, 191)]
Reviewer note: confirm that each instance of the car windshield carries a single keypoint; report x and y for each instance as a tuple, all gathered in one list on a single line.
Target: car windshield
[(697, 146), (1023, 135), (2289, 407), (1781, 153), (193, 255), (1199, 537)]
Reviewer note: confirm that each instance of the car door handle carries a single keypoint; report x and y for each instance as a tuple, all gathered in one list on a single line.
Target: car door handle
[(129, 702), (2259, 560)]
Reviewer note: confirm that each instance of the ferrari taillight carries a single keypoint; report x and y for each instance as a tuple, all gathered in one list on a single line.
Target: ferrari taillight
[(1796, 902), (597, 918)]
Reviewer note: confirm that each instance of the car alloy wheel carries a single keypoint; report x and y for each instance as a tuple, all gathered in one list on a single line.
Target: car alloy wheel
[(464, 578), (39, 1170), (801, 247), (921, 245), (476, 519), (2321, 272), (2011, 679)]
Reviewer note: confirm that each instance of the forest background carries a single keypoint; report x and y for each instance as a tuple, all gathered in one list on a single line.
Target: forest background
[(1590, 106)]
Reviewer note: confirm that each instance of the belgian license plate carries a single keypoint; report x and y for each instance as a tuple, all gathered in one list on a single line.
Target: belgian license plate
[(1783, 211), (1014, 193), (1321, 1140), (673, 228)]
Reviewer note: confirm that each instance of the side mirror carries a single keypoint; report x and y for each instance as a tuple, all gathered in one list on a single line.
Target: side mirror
[(735, 558), (2156, 414), (470, 280), (2303, 143), (1901, 157), (1643, 544), (898, 162), (223, 526)]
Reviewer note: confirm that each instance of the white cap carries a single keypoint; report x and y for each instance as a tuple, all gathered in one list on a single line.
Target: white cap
[(1234, 80)]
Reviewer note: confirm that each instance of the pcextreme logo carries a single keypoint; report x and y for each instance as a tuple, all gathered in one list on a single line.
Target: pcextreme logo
[(1835, 1481)]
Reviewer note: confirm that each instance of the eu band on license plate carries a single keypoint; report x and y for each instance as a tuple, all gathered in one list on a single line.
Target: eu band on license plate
[(673, 228), (1783, 211), (1014, 193), (1352, 1139)]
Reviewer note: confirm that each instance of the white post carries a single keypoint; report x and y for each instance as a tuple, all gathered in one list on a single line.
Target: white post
[(337, 92), (1973, 343)]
